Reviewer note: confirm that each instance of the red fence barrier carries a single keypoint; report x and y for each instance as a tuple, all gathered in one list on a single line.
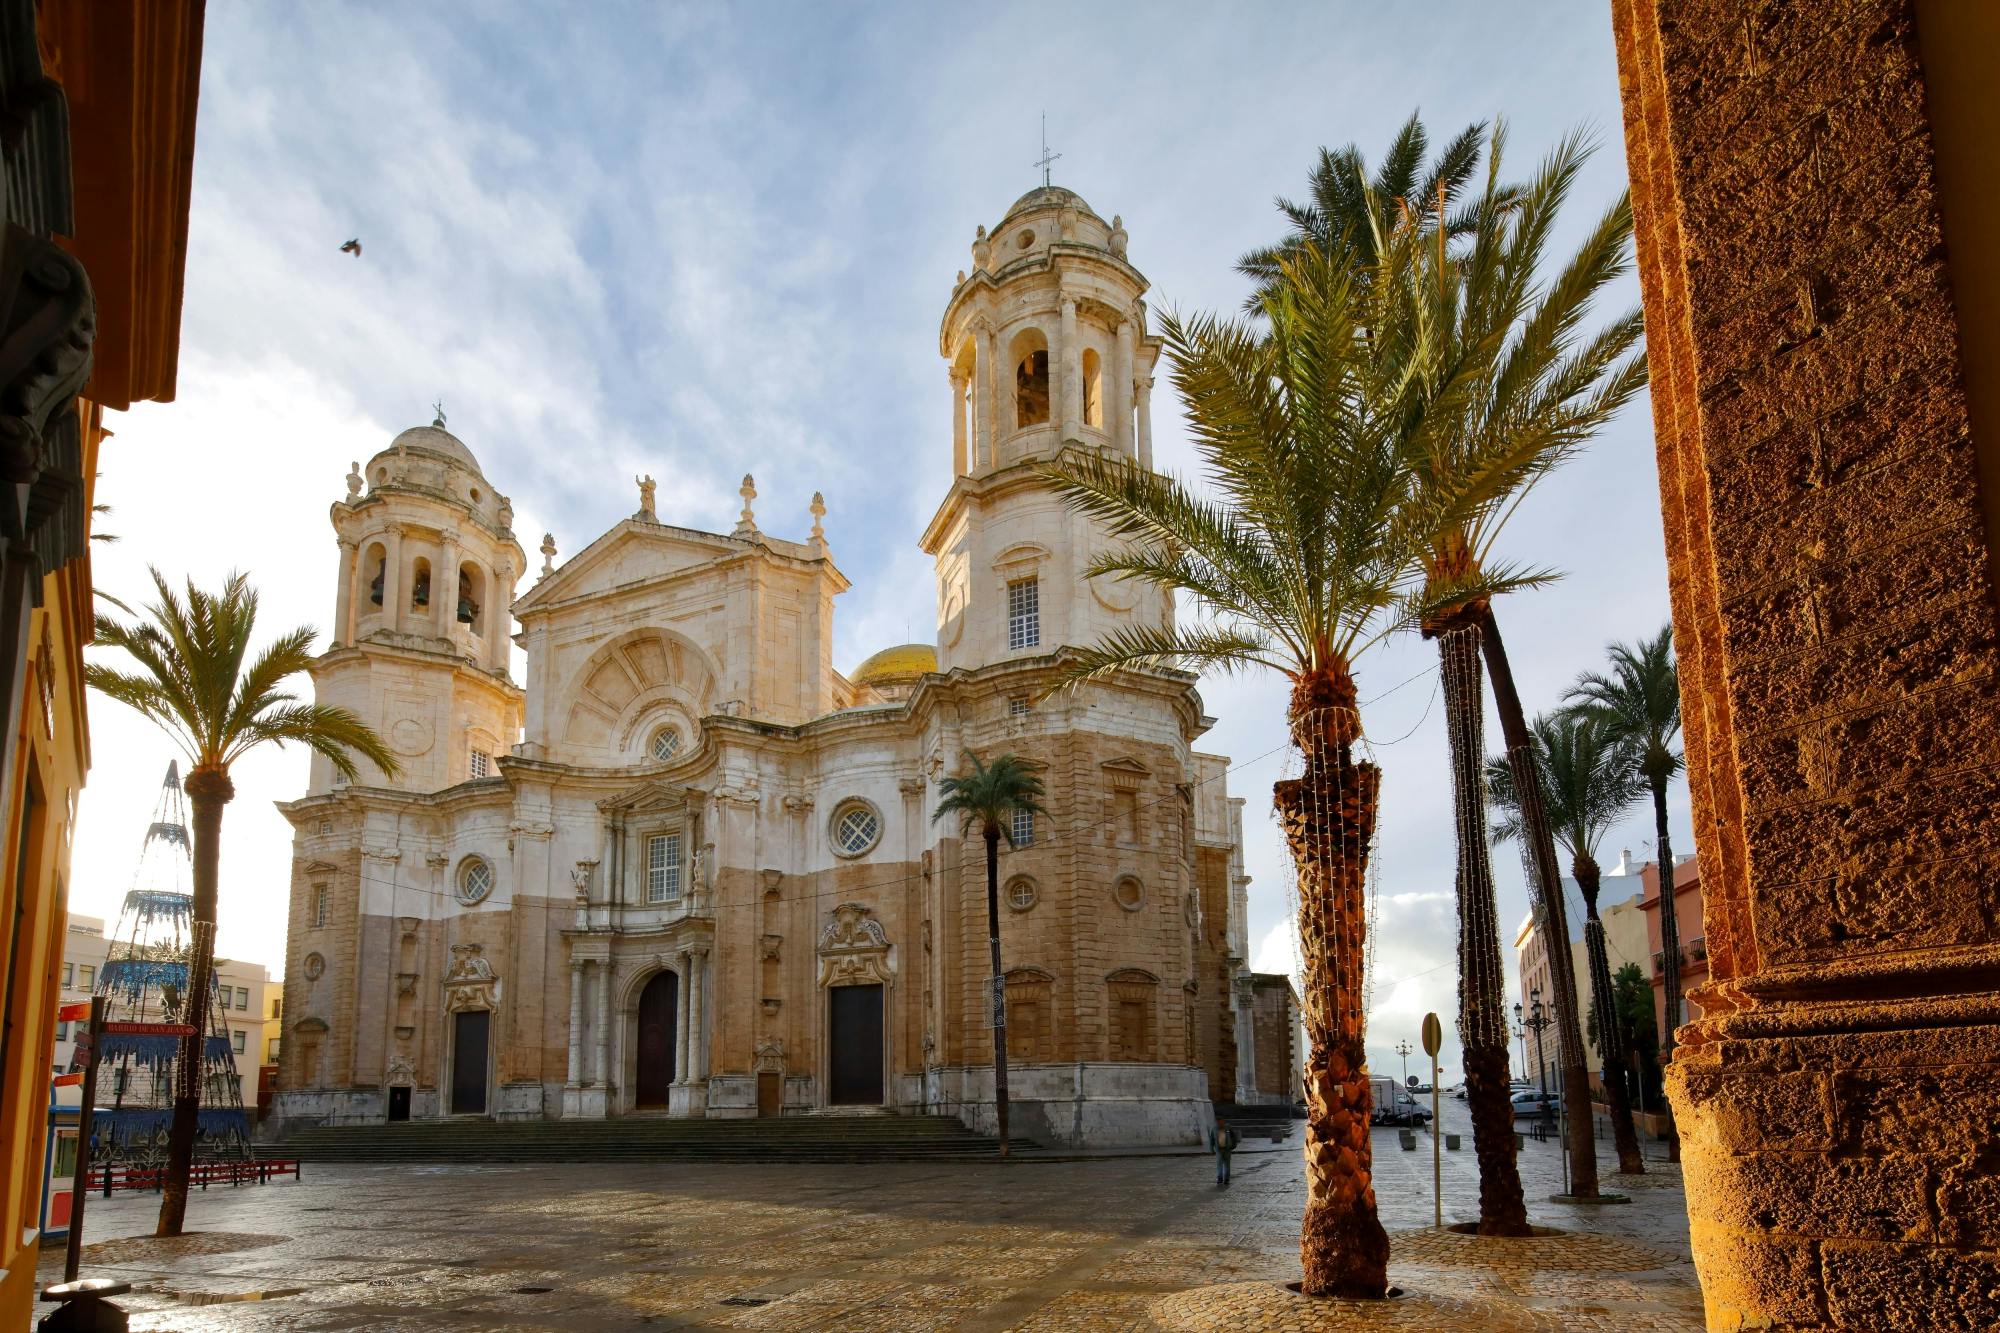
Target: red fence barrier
[(259, 1172)]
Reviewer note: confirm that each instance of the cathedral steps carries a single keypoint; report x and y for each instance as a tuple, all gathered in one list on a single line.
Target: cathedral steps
[(787, 1139)]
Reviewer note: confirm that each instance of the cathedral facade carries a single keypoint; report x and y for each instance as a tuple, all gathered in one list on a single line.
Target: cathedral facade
[(691, 869)]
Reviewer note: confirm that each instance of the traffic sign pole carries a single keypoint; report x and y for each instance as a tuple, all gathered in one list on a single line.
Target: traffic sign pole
[(80, 1190), (1433, 1043)]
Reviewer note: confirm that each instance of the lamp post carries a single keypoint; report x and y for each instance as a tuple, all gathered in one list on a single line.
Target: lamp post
[(1403, 1049), (1538, 1019), (1521, 1035)]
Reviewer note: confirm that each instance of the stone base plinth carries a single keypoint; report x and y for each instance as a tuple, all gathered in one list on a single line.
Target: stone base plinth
[(1843, 1180)]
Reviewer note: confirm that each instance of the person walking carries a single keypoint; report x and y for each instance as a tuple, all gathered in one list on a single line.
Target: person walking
[(1222, 1139)]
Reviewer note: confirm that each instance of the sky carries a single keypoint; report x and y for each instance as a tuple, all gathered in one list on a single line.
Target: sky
[(699, 241)]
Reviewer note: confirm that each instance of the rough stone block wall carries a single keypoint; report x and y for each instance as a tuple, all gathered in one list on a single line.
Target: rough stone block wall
[(1829, 564)]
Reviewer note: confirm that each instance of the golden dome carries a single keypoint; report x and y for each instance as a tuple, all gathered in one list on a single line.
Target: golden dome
[(901, 665)]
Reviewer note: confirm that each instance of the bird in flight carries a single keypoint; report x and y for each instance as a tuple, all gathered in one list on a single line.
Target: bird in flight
[(353, 247)]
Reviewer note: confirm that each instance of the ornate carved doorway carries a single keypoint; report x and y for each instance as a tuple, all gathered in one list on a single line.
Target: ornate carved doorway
[(468, 1062), (659, 1006), (854, 1045)]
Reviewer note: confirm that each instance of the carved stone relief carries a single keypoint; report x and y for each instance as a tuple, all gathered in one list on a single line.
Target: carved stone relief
[(854, 950)]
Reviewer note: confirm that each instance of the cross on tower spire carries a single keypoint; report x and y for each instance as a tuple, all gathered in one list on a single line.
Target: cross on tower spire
[(1046, 157)]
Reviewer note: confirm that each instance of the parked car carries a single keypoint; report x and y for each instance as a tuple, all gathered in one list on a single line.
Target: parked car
[(1534, 1102)]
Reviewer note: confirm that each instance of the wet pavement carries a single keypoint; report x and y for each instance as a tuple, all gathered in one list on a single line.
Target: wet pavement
[(1142, 1243)]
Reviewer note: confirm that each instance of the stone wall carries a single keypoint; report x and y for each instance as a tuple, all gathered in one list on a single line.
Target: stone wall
[(1821, 480)]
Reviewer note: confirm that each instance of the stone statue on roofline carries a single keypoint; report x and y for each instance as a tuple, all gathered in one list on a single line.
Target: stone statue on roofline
[(646, 486)]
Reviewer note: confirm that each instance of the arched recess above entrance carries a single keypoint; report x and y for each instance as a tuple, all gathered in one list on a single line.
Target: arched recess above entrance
[(607, 698)]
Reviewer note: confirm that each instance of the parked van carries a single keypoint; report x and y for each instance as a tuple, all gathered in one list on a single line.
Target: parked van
[(1394, 1105)]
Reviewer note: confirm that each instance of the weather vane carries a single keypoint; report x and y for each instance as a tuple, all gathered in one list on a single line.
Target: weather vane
[(438, 420), (1046, 157)]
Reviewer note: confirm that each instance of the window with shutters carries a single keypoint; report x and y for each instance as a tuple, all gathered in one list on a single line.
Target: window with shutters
[(1134, 997)]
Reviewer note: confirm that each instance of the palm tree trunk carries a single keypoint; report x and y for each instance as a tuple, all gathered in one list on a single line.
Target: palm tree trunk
[(1328, 815), (1482, 1018), (208, 791), (999, 983), (1670, 943), (1604, 1001), (1554, 919)]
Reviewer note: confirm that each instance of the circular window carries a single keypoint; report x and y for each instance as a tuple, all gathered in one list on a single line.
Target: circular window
[(475, 879), (1025, 239), (475, 495), (1130, 893), (856, 827), (666, 743), (315, 967), (1022, 893)]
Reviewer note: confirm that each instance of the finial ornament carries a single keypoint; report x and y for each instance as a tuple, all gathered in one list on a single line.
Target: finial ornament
[(646, 486), (818, 508), (548, 554), (746, 522), (353, 481), (1118, 235), (1047, 157), (982, 250), (438, 419)]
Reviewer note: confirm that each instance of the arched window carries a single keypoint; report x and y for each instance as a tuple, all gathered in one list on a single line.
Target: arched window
[(420, 584), (471, 596), (1030, 1029), (377, 560), (1093, 388), (1031, 379)]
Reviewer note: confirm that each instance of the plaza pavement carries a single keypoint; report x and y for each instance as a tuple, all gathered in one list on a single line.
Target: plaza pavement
[(1128, 1243)]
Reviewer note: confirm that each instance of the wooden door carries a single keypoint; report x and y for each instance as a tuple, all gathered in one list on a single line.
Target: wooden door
[(770, 1093), (659, 1008), (854, 1059), (399, 1103), (468, 1062)]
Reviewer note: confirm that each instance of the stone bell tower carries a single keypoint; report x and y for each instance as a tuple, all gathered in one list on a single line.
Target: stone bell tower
[(421, 625), (1048, 352)]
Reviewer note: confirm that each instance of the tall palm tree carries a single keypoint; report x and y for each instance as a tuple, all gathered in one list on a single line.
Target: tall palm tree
[(1588, 783), (1344, 210), (991, 796), (1539, 391), (193, 682), (1308, 557), (1640, 701)]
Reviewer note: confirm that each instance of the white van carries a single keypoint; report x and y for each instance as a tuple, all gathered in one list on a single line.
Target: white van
[(1394, 1104)]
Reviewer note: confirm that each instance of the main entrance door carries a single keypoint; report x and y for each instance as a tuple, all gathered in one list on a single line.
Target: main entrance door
[(854, 1060), (659, 1004), (468, 1062), (399, 1102)]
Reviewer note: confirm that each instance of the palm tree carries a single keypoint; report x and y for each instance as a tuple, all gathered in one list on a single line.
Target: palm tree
[(1639, 701), (193, 683), (1526, 387), (1345, 211), (992, 796), (1588, 783), (1303, 423)]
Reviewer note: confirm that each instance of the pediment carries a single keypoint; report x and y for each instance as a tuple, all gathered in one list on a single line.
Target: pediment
[(634, 551), (650, 795), (1125, 773), (321, 868)]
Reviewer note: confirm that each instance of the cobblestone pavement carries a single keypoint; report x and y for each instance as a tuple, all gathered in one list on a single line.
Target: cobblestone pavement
[(1140, 1243)]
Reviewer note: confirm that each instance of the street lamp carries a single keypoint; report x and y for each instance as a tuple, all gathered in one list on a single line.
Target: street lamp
[(1403, 1048), (1538, 1019)]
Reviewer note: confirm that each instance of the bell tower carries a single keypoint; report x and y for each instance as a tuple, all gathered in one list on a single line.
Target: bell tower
[(421, 629), (1047, 351)]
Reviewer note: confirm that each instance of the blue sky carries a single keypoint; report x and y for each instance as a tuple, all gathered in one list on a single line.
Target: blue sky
[(708, 240)]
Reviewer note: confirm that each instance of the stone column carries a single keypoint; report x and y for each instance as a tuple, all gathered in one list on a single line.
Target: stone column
[(444, 586), (576, 970), (698, 1018), (1823, 333), (1120, 402), (499, 620), (343, 597), (1063, 374), (1146, 421), (959, 465), (605, 1018), (686, 961), (393, 592), (989, 407)]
